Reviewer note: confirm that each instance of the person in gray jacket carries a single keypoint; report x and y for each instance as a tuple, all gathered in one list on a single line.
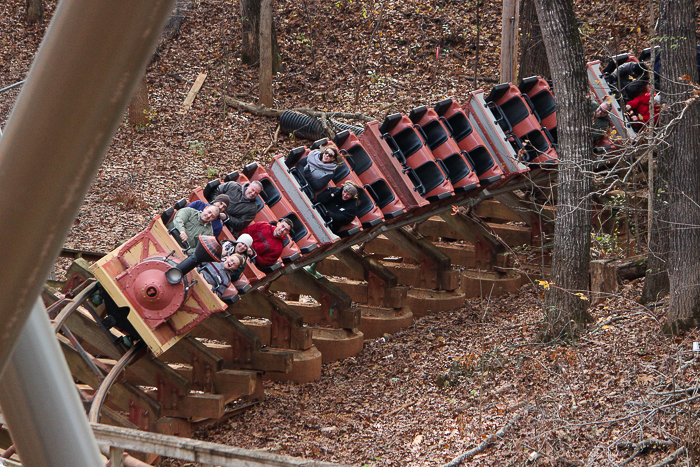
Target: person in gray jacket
[(192, 223), (245, 203)]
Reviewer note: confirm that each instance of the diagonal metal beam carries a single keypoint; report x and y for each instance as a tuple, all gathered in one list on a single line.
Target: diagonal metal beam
[(90, 61)]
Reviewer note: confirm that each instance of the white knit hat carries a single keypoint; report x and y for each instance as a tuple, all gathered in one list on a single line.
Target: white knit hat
[(245, 239)]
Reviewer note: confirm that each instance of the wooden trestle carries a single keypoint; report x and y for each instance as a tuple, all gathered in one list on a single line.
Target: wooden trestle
[(377, 284)]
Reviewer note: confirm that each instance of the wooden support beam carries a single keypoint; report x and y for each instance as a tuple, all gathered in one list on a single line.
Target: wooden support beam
[(512, 235), (243, 349), (539, 218), (194, 450), (202, 361), (199, 406), (486, 246), (380, 280), (287, 326), (434, 265), (146, 371), (336, 304), (143, 410)]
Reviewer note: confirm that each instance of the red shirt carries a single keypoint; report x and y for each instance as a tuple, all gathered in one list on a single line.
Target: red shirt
[(265, 244)]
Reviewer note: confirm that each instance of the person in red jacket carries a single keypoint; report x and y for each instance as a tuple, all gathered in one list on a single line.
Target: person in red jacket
[(639, 106), (268, 240)]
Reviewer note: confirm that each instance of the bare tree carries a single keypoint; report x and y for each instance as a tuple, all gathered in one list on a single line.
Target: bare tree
[(677, 35), (266, 53), (566, 308), (250, 43), (533, 55)]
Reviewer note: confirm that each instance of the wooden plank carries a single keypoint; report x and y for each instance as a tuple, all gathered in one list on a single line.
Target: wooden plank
[(195, 450), (200, 406), (124, 396), (187, 104)]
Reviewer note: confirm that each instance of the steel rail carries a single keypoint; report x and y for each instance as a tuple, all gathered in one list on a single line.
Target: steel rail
[(91, 59)]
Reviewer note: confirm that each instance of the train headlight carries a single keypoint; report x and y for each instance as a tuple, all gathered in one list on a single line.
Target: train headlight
[(173, 276)]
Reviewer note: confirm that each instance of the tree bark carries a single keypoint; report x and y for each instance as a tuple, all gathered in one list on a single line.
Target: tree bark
[(266, 53), (509, 40), (566, 312), (533, 55), (250, 41), (35, 11), (678, 39), (139, 108), (656, 284)]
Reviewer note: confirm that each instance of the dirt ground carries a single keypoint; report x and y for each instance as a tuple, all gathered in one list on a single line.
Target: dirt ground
[(443, 386)]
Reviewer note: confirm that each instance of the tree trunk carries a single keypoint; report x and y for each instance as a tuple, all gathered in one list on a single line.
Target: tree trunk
[(566, 310), (656, 284), (35, 11), (266, 53), (140, 108), (677, 35), (250, 30), (509, 40), (533, 55)]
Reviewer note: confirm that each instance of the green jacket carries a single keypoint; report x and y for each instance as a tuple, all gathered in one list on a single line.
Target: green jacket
[(187, 220)]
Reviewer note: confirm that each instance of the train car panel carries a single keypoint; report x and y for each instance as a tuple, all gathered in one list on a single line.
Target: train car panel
[(542, 100), (301, 233), (134, 276), (438, 137), (485, 164), (601, 91), (292, 191), (384, 157), (370, 176), (482, 121), (517, 117), (429, 175)]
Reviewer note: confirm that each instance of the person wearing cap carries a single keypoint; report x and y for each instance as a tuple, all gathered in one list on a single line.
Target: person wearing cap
[(268, 240), (242, 245), (341, 204), (245, 203), (221, 202), (192, 223)]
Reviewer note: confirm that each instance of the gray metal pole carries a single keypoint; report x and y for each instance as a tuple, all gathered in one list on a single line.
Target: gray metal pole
[(90, 61), (40, 402)]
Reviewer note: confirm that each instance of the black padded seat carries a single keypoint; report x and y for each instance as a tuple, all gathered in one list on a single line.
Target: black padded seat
[(271, 268), (360, 159), (270, 194), (535, 144), (461, 128), (430, 176), (167, 215), (481, 158), (435, 134), (515, 110), (365, 203), (457, 168), (528, 83), (209, 190), (341, 171), (291, 259), (298, 230), (408, 141), (243, 287), (544, 103), (381, 193), (349, 232), (294, 156), (553, 133)]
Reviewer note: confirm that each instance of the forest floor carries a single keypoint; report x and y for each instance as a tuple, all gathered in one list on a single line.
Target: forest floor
[(444, 385)]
